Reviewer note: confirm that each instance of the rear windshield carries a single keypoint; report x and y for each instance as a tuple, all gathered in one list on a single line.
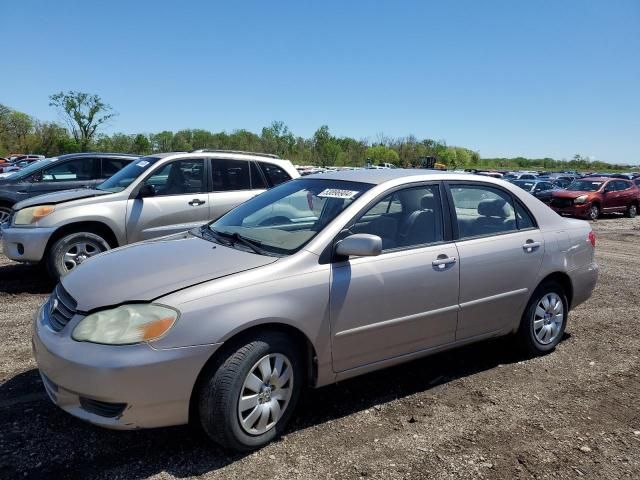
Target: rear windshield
[(524, 184), (585, 186)]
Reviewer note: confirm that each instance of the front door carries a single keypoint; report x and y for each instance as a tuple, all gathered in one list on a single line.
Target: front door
[(501, 249), (180, 202), (81, 172), (404, 300)]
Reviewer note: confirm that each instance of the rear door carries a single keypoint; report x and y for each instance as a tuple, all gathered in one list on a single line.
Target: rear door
[(501, 250), (180, 203), (232, 183), (81, 172)]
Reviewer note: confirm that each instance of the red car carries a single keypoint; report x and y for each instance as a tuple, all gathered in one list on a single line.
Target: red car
[(591, 196)]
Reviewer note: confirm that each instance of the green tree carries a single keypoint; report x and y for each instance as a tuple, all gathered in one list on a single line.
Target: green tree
[(141, 145), (382, 154), (84, 113)]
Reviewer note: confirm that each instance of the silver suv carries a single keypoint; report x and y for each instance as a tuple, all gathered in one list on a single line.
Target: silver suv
[(153, 196)]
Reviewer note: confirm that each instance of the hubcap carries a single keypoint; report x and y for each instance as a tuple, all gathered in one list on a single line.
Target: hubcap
[(265, 394), (5, 213), (78, 252), (548, 318), (594, 213), (632, 210)]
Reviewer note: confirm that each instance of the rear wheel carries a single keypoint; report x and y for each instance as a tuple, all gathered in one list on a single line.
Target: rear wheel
[(544, 320), (248, 396), (71, 250), (594, 212), (632, 210)]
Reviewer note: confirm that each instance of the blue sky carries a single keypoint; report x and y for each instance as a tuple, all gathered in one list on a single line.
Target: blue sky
[(506, 78)]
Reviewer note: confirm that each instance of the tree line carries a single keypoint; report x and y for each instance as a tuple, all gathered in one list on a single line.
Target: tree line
[(85, 114)]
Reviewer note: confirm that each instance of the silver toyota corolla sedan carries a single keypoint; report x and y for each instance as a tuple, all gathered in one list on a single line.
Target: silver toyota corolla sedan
[(320, 279)]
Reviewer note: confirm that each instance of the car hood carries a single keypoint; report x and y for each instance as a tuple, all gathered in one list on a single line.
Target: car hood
[(59, 197), (148, 270), (569, 193)]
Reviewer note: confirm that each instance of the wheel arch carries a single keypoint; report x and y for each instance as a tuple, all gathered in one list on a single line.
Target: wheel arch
[(239, 338), (563, 280), (91, 226)]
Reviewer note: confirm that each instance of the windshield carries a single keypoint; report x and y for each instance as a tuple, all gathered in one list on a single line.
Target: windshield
[(584, 186), (29, 169), (525, 185), (127, 175), (284, 219)]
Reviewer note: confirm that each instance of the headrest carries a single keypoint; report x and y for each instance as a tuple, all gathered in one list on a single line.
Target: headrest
[(428, 202), (493, 208)]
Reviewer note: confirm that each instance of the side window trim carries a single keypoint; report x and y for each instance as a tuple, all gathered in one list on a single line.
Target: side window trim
[(446, 227), (155, 168), (454, 219)]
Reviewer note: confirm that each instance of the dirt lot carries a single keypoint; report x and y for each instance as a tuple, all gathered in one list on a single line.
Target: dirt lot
[(477, 412)]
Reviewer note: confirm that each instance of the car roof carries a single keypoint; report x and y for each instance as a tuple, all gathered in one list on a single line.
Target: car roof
[(377, 176)]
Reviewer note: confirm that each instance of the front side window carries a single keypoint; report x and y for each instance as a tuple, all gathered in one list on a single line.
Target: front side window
[(406, 218), (284, 219), (275, 175), (178, 178), (482, 210), (73, 170), (229, 175)]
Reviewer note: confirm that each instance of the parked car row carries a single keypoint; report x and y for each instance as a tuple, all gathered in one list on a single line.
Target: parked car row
[(147, 197)]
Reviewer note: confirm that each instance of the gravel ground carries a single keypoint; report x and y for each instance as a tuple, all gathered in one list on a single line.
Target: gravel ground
[(476, 412)]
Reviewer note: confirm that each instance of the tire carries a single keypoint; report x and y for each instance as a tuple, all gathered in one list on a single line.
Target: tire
[(225, 381), (530, 335), (5, 212), (594, 212), (71, 250), (632, 211)]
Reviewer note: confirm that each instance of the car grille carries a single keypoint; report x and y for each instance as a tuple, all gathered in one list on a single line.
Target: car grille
[(562, 202), (104, 409), (61, 308)]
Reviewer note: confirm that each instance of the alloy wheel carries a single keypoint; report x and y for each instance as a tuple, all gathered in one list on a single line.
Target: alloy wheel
[(548, 318), (78, 252), (265, 394), (594, 212), (5, 213)]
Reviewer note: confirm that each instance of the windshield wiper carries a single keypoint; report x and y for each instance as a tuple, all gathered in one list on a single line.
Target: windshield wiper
[(237, 238)]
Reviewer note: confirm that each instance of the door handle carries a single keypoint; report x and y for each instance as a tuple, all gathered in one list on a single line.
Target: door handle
[(530, 246), (442, 261), (196, 202)]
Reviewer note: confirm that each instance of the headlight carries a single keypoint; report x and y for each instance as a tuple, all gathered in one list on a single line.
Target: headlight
[(28, 216), (580, 200), (126, 324)]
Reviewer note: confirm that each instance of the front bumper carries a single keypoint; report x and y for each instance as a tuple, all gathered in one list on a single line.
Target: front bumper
[(581, 210), (25, 244), (120, 387)]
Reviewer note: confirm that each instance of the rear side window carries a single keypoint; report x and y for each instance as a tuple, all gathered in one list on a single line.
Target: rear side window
[(523, 218), (482, 210), (257, 181), (111, 166), (275, 175), (230, 175)]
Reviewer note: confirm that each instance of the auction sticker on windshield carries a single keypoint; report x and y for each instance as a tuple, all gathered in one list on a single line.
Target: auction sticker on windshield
[(337, 193), (142, 164)]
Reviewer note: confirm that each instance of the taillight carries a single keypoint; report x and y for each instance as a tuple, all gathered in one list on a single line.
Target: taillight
[(592, 239)]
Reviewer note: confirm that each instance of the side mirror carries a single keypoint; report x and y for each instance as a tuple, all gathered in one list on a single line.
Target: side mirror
[(36, 177), (360, 245), (147, 191)]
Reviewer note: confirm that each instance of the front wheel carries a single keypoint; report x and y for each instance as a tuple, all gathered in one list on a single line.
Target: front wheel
[(5, 213), (248, 396), (544, 320), (594, 212), (71, 250)]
